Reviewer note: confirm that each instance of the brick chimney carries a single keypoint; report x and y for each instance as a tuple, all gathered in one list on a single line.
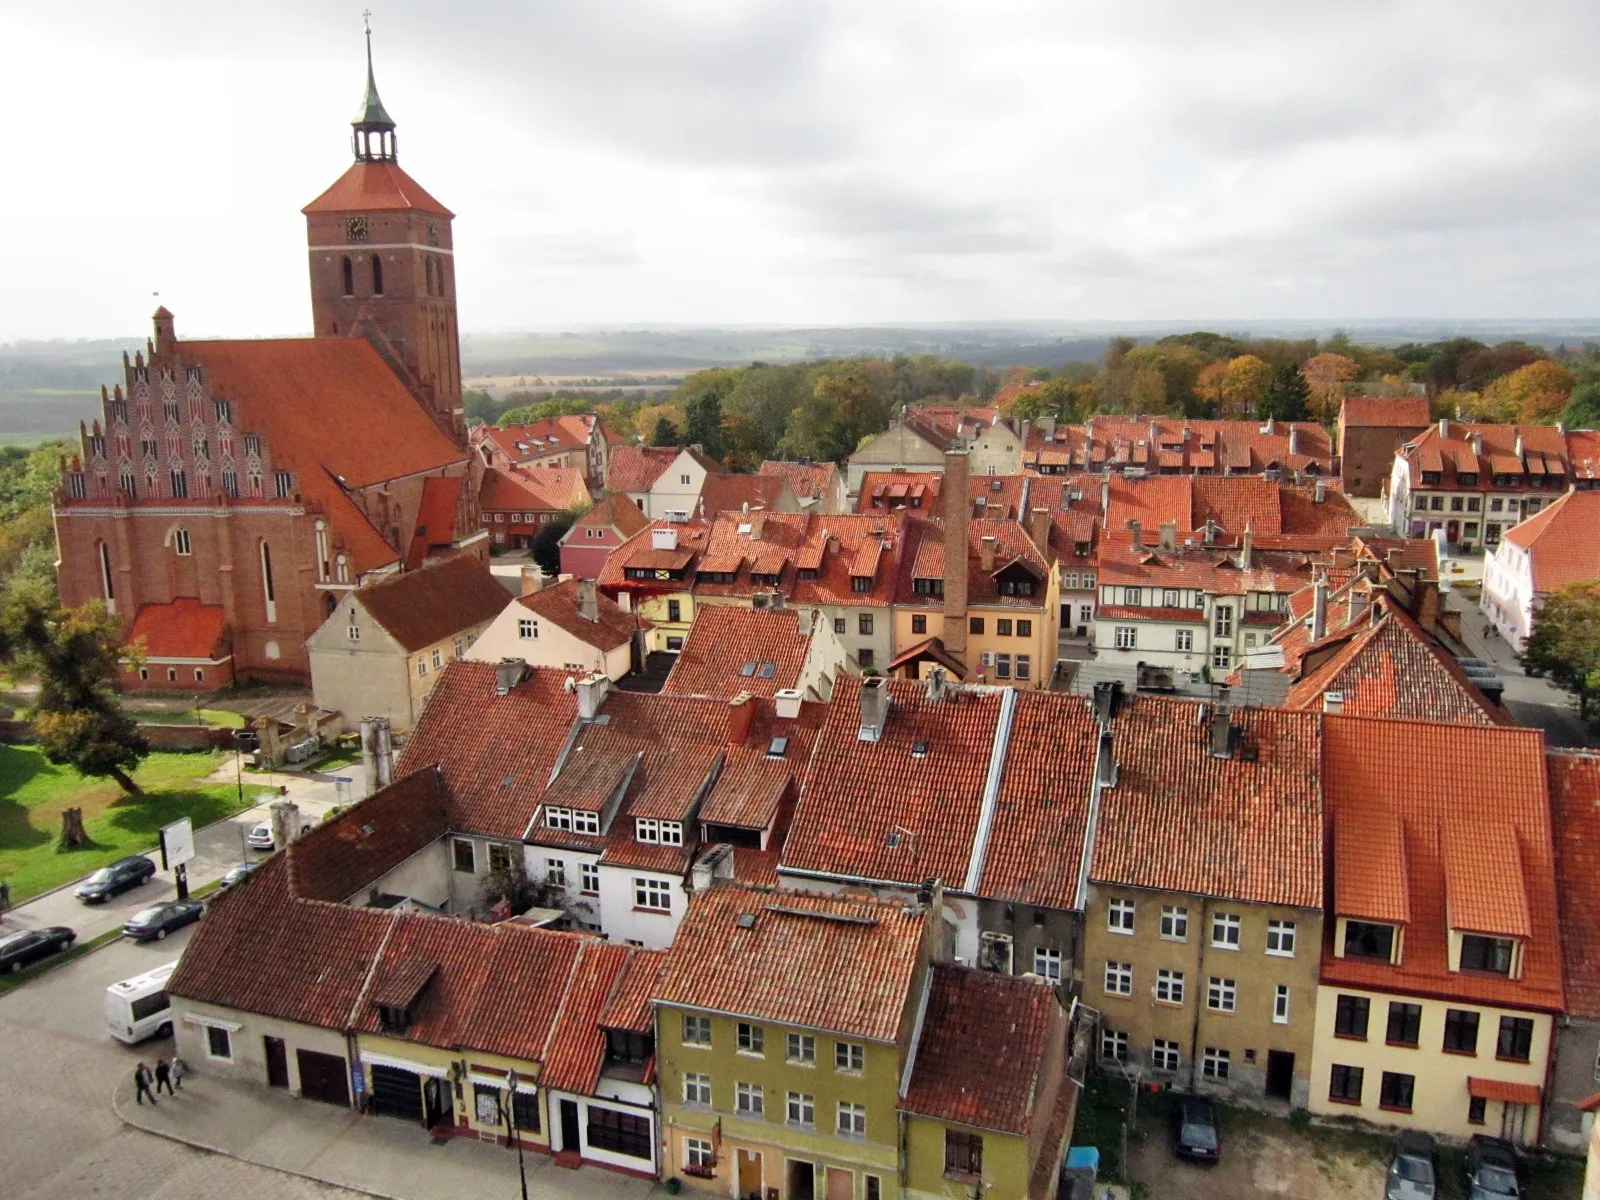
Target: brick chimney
[(957, 510), (741, 712), (874, 708), (986, 549), (1169, 535), (1137, 531), (588, 600), (1039, 530), (165, 335), (1319, 610)]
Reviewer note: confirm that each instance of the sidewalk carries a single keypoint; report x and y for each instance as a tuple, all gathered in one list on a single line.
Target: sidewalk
[(381, 1156)]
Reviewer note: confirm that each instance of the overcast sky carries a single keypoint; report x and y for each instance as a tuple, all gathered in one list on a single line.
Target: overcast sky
[(866, 161)]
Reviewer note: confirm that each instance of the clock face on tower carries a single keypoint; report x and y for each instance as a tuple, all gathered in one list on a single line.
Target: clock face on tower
[(355, 228)]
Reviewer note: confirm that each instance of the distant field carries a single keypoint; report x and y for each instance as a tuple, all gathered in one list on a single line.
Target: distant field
[(32, 415)]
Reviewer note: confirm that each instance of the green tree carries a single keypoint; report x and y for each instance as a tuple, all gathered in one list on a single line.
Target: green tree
[(1565, 642), (1583, 407), (1285, 397), (546, 546), (843, 409), (74, 653), (664, 432)]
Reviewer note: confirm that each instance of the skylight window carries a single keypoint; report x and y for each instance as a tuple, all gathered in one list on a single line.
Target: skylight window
[(747, 670), (919, 748), (778, 747), (768, 670)]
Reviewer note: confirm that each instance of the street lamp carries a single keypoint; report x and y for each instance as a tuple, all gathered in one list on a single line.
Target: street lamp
[(512, 1131)]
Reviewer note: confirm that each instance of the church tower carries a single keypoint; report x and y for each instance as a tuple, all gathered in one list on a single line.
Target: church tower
[(383, 265)]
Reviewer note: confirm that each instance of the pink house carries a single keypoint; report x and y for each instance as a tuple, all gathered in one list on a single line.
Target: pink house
[(597, 533)]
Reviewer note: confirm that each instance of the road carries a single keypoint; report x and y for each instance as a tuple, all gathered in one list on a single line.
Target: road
[(56, 1076)]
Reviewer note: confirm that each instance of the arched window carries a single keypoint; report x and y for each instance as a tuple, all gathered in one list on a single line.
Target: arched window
[(349, 277), (106, 587), (342, 566), (267, 589), (427, 271), (322, 552), (180, 542), (377, 275)]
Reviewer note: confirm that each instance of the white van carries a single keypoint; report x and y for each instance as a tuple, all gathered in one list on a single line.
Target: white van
[(138, 1008)]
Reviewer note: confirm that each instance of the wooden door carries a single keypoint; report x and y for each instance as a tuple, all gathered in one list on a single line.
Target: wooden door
[(324, 1077), (749, 1173), (570, 1136), (277, 1062), (841, 1184)]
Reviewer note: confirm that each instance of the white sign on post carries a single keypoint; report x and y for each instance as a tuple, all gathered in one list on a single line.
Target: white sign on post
[(177, 843)]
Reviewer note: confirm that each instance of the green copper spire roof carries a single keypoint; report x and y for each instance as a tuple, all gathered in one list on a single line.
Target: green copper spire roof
[(372, 114)]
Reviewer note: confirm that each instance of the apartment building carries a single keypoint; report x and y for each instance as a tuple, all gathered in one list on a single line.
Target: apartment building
[(1137, 446), (653, 574), (1546, 552)]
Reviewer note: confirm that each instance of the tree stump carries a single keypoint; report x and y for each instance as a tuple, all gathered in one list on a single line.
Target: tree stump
[(72, 833)]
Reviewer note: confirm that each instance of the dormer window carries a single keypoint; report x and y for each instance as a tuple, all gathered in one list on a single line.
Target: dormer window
[(860, 583), (1432, 478), (1490, 954), (393, 1018), (573, 820), (1368, 939)]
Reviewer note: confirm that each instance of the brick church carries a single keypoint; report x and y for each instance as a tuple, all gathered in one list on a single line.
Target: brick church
[(233, 491)]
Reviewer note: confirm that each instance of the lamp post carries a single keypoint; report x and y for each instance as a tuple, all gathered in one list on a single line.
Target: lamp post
[(512, 1131)]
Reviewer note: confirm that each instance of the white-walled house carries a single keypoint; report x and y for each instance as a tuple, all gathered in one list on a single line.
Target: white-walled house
[(568, 626), (1541, 555)]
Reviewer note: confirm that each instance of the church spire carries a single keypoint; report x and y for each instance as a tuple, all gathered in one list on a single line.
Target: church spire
[(373, 137)]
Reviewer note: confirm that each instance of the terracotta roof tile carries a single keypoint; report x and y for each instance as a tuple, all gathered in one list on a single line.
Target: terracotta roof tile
[(636, 468), (436, 518), (833, 543), (375, 187), (538, 489), (183, 629), (629, 1005), (1188, 445), (535, 439), (1561, 541), (723, 492), (560, 605), (1575, 811), (808, 481), (1583, 453), (419, 608), (819, 962), (340, 857), (1458, 452), (985, 1042), (725, 640), (612, 511), (577, 1047), (1391, 412)]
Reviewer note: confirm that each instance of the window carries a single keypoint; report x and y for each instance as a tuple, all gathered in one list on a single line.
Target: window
[(749, 1100), (1113, 1046), (438, 659), (1476, 1107), (683, 481), (801, 1049), (1222, 621), (752, 1039), (975, 625), (864, 657), (486, 1104), (1002, 627), (219, 1044), (1024, 628), (462, 855), (1215, 1063), (700, 1157), (1405, 1023), (1119, 916), (647, 829), (349, 276), (527, 628), (1486, 954), (180, 484), (1460, 1031), (838, 625), (963, 1153), (1455, 503), (849, 1056), (1344, 1084), (1395, 1091), (1164, 1055), (377, 275), (1350, 1015), (1222, 995), (589, 878), (864, 624), (1024, 666), (1183, 641), (1169, 986), (801, 1109), (620, 1132), (422, 667), (1134, 597), (675, 611), (652, 894), (1516, 1039), (1119, 978), (696, 1031), (1225, 931), (555, 872), (1126, 637), (874, 1187), (1047, 962), (852, 1119), (180, 542), (1002, 666), (499, 857), (1221, 656), (1175, 922), (1363, 939), (919, 623), (282, 485), (1280, 938), (1280, 1004), (353, 631)]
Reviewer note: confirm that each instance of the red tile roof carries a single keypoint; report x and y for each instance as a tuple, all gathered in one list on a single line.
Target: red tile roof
[(340, 857), (1457, 452), (639, 552), (436, 518), (727, 638), (1467, 812), (538, 489), (806, 480), (829, 545), (629, 1005), (986, 1041), (874, 810), (559, 605), (722, 492), (612, 511), (577, 1046), (421, 608), (521, 443), (375, 187), (926, 559), (1180, 445), (1247, 827), (1575, 813), (1583, 453), (183, 629), (1389, 412), (636, 468), (1561, 541), (819, 962), (1217, 572)]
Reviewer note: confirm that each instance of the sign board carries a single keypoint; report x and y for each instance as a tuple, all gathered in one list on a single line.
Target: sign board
[(177, 843)]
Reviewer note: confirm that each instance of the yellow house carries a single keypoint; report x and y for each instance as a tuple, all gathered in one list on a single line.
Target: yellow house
[(1441, 977), (653, 574)]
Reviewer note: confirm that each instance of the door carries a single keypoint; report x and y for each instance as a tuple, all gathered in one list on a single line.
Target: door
[(802, 1181), (323, 1077), (1280, 1073), (1452, 532), (433, 1094), (749, 1174), (571, 1139), (841, 1184), (277, 1062), (396, 1092)]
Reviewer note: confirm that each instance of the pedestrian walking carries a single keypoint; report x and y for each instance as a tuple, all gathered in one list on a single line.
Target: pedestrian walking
[(5, 896), (141, 1084), (179, 1070), (163, 1077)]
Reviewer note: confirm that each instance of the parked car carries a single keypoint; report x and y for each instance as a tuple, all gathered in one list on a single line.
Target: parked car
[(23, 949), (1491, 1168), (260, 838), (115, 878), (1194, 1129), (161, 919), (1411, 1171), (239, 874)]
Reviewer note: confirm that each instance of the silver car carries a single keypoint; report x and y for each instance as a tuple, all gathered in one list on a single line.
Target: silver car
[(1411, 1173)]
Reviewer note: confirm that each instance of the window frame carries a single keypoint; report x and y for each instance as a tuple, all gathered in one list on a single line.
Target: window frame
[(1408, 1016), (1346, 1083), (1121, 909), (851, 1120), (1520, 1031), (457, 846), (805, 1105), (1284, 933), (1222, 994), (1174, 923), (963, 1154), (696, 1031), (849, 1058), (1222, 925), (1346, 1010), (1216, 1063), (749, 1100), (1169, 980), (1119, 974), (800, 1049), (1386, 1089), (646, 892), (750, 1039), (1166, 1055), (1461, 1029)]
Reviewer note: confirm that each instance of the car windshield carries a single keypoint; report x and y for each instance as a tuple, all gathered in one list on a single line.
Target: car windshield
[(103, 875), (1417, 1170), (146, 914), (1201, 1137), (1497, 1179), (16, 939)]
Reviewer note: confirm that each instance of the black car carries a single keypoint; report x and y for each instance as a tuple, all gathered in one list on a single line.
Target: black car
[(22, 949), (115, 878), (239, 874), (1194, 1129), (1491, 1168), (161, 919)]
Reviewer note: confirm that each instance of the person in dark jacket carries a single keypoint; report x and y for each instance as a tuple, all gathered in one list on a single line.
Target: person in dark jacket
[(163, 1077), (141, 1084)]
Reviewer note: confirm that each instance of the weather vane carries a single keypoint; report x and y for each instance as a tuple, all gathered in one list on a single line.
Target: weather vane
[(366, 21)]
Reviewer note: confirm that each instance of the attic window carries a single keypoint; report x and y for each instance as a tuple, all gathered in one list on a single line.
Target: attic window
[(778, 747), (747, 670), (919, 748), (393, 1018), (746, 921), (767, 671), (994, 485)]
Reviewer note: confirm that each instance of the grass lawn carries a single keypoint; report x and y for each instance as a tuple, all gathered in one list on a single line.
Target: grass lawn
[(34, 791), (186, 716)]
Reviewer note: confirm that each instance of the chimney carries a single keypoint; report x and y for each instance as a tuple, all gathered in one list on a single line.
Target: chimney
[(1040, 530), (1271, 427), (758, 522), (377, 750), (1429, 603), (1221, 733), (1444, 427), (1320, 493), (1519, 447), (285, 822), (957, 510), (1105, 497), (1244, 548), (1047, 427), (741, 711), (508, 672), (588, 600), (1154, 432), (787, 702), (664, 539), (937, 684), (1294, 439), (1169, 535), (1138, 533), (1208, 535), (591, 695), (1319, 610), (1333, 702), (532, 579), (1477, 445), (1107, 699), (874, 708), (986, 549), (1105, 760)]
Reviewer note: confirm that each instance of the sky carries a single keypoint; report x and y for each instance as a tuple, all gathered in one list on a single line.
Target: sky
[(816, 162)]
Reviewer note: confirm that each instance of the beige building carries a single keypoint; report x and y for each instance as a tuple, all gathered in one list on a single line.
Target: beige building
[(568, 626), (919, 439), (381, 649)]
